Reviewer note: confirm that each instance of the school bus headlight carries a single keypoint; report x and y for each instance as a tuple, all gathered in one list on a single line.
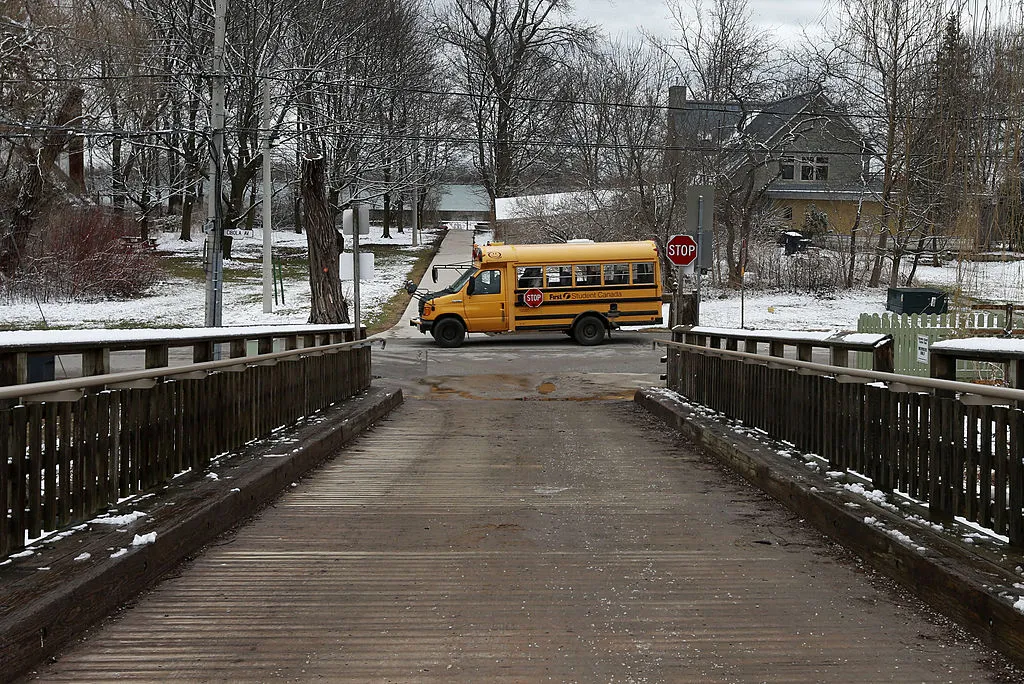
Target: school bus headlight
[(428, 309)]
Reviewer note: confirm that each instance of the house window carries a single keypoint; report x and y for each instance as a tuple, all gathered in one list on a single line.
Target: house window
[(804, 168), (786, 168), (814, 168)]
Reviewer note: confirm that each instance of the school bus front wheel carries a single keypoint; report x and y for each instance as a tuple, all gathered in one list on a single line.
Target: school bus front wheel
[(449, 333)]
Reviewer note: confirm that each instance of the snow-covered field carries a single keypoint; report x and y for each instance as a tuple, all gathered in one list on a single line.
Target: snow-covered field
[(991, 281), (178, 302)]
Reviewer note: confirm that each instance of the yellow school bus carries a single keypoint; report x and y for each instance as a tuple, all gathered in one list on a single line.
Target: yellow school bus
[(584, 289)]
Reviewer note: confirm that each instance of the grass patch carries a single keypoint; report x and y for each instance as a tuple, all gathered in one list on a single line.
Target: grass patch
[(186, 268), (393, 309)]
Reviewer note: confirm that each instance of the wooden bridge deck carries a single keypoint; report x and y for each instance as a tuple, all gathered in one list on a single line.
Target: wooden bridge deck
[(578, 542)]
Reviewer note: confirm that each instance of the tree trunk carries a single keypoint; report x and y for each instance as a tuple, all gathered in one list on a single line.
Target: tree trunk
[(853, 248), (188, 201), (30, 198), (24, 215), (327, 303), (387, 201), (387, 216), (915, 262)]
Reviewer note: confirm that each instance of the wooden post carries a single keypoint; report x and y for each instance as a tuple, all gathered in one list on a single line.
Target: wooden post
[(942, 367), (96, 362), (156, 356), (883, 359), (687, 308), (13, 368), (202, 351)]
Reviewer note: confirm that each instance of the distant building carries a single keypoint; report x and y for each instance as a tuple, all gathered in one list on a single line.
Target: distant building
[(811, 160), (459, 203)]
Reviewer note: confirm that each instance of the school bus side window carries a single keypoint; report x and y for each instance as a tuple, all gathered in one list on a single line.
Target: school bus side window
[(559, 276), (487, 282), (528, 276), (588, 274), (643, 273), (616, 274)]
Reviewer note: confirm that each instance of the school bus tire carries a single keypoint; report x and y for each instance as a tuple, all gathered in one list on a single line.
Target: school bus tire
[(588, 330), (449, 333)]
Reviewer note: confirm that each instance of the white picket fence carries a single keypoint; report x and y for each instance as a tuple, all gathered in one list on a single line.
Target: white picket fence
[(913, 335)]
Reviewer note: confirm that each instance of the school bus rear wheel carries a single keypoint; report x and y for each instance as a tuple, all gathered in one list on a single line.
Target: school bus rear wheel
[(449, 332), (588, 331)]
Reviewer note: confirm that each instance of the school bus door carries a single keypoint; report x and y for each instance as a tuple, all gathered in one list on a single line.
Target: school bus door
[(485, 302)]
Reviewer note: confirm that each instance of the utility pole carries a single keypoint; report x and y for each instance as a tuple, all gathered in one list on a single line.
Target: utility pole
[(268, 273), (415, 199), (415, 213), (215, 213), (360, 220), (700, 257)]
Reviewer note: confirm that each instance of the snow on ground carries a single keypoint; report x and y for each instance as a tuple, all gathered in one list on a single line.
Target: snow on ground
[(790, 311), (990, 281), (177, 302)]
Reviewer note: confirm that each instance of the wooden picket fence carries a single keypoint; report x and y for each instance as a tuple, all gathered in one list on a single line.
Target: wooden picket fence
[(66, 459), (907, 328), (957, 459)]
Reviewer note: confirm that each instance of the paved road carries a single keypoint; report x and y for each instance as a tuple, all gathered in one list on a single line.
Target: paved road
[(519, 520)]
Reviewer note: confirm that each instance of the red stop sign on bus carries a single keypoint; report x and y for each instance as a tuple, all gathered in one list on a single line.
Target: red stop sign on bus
[(533, 298), (681, 250)]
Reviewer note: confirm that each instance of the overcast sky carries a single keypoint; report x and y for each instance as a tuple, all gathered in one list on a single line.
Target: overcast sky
[(621, 17)]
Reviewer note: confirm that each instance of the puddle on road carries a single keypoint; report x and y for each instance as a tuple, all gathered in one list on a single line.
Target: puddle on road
[(496, 387)]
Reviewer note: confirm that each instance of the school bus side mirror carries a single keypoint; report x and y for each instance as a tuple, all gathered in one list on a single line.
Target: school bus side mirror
[(410, 287), (471, 287), (433, 274)]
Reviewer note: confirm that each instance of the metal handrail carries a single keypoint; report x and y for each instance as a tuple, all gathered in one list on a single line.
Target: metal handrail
[(909, 382), (54, 387)]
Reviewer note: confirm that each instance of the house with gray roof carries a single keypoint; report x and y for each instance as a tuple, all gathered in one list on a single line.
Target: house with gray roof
[(801, 154)]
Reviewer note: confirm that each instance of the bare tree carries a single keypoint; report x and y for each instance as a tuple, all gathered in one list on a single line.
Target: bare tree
[(878, 61), (614, 140), (729, 66), (719, 51), (508, 57), (327, 303)]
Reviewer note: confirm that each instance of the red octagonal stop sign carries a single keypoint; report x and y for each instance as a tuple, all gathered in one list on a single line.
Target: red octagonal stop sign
[(533, 298), (681, 250)]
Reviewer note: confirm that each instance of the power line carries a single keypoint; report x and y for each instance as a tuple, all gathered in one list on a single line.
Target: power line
[(750, 110), (769, 153)]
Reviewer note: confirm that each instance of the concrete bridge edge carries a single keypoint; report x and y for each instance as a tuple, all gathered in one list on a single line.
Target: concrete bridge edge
[(957, 582), (186, 518)]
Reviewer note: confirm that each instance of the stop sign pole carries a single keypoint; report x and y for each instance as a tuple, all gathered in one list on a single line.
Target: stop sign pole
[(684, 252), (700, 237)]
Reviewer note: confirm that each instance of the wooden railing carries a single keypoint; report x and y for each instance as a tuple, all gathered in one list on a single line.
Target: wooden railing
[(94, 346), (840, 345), (71, 448), (956, 448)]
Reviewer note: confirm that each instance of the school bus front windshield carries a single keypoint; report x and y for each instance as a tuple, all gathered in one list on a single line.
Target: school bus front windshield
[(459, 282)]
